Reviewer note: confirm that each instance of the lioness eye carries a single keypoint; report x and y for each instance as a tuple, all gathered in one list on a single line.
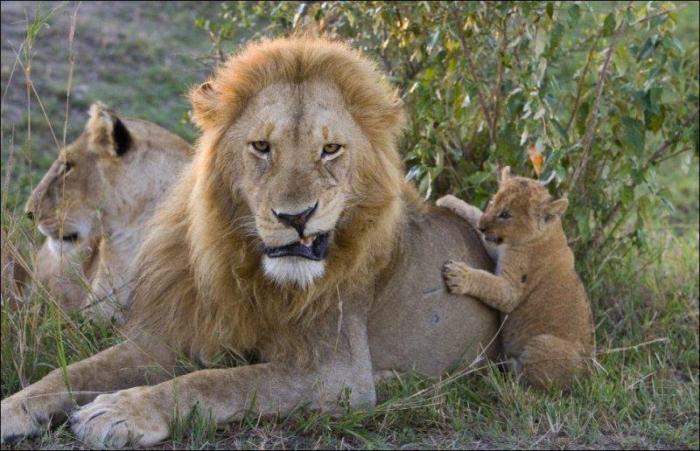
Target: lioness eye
[(330, 150), (261, 146), (504, 215), (67, 166)]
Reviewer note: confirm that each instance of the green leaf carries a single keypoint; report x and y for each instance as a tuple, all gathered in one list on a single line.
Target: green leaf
[(632, 135), (609, 25)]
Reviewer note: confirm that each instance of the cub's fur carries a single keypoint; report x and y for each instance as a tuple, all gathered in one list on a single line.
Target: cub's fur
[(92, 205), (549, 326)]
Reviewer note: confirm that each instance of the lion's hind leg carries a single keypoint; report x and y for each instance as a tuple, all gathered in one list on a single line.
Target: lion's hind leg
[(548, 361)]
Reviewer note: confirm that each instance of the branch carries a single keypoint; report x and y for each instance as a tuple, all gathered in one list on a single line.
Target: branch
[(472, 69), (656, 157), (499, 80), (588, 138), (579, 89)]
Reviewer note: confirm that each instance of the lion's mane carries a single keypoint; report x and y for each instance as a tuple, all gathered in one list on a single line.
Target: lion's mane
[(201, 285)]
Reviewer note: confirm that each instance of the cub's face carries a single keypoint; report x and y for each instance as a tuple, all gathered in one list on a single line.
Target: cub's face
[(295, 150), (521, 211)]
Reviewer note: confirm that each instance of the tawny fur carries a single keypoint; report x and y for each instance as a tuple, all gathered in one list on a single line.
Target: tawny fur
[(106, 199), (229, 310), (548, 324), (379, 305)]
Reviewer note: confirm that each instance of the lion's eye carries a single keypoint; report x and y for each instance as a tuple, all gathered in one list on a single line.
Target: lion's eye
[(262, 147), (67, 166), (504, 215), (331, 150)]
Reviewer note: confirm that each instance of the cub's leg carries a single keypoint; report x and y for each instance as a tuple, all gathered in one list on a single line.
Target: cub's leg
[(548, 361), (461, 209), (495, 291), (30, 411), (472, 215)]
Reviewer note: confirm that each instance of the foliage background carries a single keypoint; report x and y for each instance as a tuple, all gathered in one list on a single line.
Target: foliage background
[(606, 94)]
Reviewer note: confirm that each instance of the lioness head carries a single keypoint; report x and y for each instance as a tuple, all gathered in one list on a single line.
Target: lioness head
[(522, 210), (102, 180), (304, 132)]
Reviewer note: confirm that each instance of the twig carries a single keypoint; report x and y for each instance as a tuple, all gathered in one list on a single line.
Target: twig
[(657, 157), (579, 89), (637, 346), (497, 89), (477, 80), (588, 138), (71, 66)]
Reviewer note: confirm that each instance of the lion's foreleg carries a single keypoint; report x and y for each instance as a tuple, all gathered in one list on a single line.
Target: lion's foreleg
[(29, 411), (141, 416)]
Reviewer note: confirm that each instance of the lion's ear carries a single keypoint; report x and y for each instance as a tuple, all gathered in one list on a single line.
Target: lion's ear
[(204, 104), (106, 132)]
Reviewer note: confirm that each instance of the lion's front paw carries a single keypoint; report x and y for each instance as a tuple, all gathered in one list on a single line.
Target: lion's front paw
[(120, 419), (456, 275), (18, 421)]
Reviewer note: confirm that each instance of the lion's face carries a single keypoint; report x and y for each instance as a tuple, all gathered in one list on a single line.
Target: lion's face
[(68, 202), (298, 149), (63, 205)]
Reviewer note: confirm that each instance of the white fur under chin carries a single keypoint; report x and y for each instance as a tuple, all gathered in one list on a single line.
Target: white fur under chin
[(293, 270), (60, 247)]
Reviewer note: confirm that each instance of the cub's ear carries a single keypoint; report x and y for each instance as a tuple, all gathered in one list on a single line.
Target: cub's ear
[(106, 132), (554, 208), (504, 175), (204, 104)]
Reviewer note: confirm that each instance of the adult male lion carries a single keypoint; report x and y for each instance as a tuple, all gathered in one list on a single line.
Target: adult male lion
[(292, 236), (92, 206)]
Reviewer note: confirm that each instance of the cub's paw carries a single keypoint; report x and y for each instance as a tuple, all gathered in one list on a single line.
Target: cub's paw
[(117, 420), (450, 201), (456, 275), (18, 421)]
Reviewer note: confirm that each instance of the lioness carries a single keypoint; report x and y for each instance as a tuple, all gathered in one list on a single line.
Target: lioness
[(293, 236), (92, 205), (549, 329)]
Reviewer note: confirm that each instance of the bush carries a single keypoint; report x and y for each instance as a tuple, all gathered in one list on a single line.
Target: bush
[(587, 97)]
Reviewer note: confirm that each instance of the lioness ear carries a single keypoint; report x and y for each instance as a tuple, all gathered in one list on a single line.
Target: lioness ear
[(107, 132), (204, 104), (555, 208), (505, 174)]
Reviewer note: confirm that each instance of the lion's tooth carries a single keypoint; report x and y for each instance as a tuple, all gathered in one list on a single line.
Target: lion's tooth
[(307, 241)]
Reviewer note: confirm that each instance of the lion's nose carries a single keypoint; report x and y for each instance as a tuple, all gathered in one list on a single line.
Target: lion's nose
[(296, 220)]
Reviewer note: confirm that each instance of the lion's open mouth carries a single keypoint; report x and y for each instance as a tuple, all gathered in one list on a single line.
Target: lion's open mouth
[(313, 248)]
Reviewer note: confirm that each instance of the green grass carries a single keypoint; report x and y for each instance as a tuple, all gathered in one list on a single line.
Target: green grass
[(644, 394)]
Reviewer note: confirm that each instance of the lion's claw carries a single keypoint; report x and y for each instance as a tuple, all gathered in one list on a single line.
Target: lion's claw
[(117, 420)]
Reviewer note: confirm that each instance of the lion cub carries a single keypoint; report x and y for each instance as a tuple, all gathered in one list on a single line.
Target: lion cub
[(549, 328)]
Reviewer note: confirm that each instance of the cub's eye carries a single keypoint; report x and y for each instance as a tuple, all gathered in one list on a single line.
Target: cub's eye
[(330, 151), (504, 215), (67, 166), (262, 147)]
